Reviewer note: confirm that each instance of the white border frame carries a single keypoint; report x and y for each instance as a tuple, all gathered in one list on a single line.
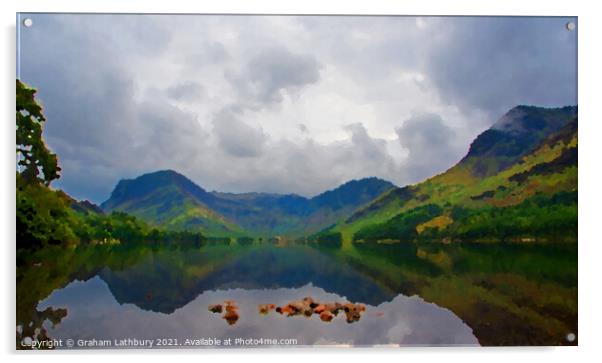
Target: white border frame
[(590, 250)]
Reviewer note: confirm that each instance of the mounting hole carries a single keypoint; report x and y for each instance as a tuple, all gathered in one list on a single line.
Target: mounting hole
[(570, 337), (27, 22), (570, 26)]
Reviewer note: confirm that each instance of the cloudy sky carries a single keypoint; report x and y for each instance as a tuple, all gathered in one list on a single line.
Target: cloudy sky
[(282, 104)]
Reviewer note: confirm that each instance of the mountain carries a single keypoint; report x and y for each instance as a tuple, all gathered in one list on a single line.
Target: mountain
[(293, 215), (169, 199), (166, 198), (512, 136), (518, 181)]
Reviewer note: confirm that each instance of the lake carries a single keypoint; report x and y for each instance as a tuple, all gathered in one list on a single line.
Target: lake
[(126, 296)]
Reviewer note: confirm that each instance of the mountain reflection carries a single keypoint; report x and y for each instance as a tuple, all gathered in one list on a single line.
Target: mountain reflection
[(388, 292), (170, 280), (404, 320)]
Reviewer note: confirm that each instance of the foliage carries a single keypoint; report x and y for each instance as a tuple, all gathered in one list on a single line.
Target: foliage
[(401, 227), (530, 153), (43, 216), (439, 222), (509, 294), (46, 217), (244, 240), (541, 217), (329, 239), (49, 217), (38, 162)]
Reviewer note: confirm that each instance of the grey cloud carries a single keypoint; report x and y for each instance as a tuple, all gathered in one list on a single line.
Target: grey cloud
[(267, 75), (430, 146), (103, 127), (80, 104), (497, 63), (213, 52), (235, 136), (484, 64), (96, 127), (186, 91), (370, 148), (359, 156), (274, 71), (144, 35), (206, 52), (393, 43), (309, 168), (167, 133), (102, 134)]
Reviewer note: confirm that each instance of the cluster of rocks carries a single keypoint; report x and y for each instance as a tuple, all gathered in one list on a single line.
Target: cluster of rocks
[(304, 307), (307, 307), (231, 314)]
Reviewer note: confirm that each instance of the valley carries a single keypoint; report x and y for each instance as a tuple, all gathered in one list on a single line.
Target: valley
[(518, 182)]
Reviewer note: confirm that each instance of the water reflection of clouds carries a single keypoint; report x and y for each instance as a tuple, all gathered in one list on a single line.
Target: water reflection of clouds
[(94, 313)]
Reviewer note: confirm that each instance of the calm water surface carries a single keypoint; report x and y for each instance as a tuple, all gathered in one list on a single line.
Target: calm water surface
[(413, 294)]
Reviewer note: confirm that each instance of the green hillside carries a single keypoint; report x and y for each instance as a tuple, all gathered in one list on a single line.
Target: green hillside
[(517, 182), (293, 215), (169, 199)]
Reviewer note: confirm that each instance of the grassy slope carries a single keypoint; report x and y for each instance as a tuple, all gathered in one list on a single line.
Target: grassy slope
[(549, 168), (179, 212), (293, 216), (170, 201)]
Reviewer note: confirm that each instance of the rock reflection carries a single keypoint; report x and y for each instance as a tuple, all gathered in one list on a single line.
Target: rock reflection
[(264, 309), (326, 311), (305, 307), (409, 320), (216, 308), (231, 315)]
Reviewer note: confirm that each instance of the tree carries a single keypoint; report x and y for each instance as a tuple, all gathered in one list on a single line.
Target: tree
[(38, 162)]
